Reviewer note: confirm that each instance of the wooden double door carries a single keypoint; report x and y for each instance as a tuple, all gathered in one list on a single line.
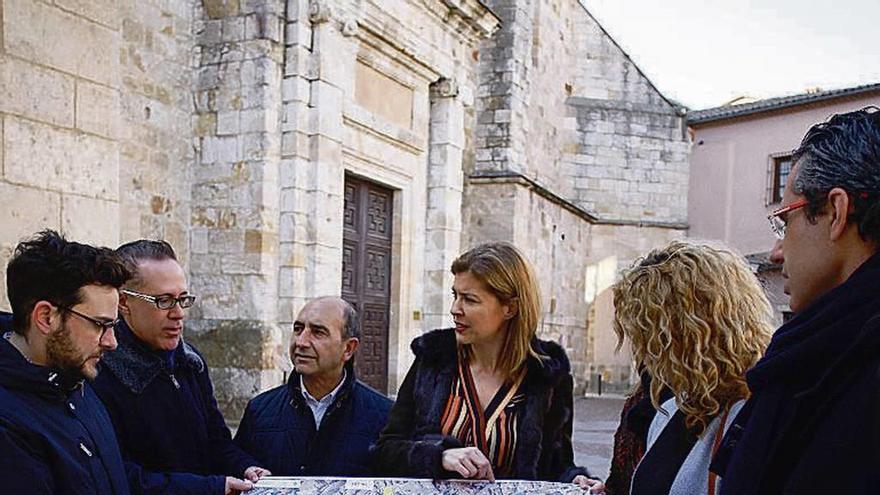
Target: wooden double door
[(366, 273)]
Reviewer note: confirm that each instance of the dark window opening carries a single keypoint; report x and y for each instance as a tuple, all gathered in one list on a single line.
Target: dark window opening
[(781, 169)]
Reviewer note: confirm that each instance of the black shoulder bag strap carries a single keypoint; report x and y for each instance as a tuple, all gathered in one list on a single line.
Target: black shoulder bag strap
[(658, 468)]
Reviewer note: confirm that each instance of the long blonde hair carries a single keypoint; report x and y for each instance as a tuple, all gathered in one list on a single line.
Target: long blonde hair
[(506, 273), (697, 319)]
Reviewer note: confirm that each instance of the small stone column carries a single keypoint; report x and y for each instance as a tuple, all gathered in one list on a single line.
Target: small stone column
[(444, 189)]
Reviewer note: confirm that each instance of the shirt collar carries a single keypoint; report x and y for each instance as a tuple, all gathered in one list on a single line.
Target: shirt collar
[(329, 398)]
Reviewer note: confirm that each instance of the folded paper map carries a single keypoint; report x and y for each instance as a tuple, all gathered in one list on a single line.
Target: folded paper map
[(407, 486)]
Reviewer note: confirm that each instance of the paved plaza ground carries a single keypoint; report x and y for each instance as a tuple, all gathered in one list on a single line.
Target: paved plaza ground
[(596, 419)]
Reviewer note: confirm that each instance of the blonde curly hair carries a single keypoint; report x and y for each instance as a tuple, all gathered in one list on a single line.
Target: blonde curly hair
[(697, 319)]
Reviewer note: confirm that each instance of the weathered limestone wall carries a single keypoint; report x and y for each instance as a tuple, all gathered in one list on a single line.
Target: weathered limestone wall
[(632, 163), (291, 97), (576, 263), (235, 195), (155, 109), (94, 121), (556, 241), (228, 127), (587, 162)]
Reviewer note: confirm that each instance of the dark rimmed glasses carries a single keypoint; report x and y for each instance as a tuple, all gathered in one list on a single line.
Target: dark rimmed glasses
[(778, 220), (103, 325), (163, 302)]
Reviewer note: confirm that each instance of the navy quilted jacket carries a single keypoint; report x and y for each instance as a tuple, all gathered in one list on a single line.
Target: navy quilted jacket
[(278, 428)]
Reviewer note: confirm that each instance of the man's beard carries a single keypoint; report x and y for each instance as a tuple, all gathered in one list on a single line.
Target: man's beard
[(62, 354)]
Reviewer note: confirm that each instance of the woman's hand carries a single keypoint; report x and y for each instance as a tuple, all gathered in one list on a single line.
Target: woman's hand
[(596, 487), (254, 473), (469, 462)]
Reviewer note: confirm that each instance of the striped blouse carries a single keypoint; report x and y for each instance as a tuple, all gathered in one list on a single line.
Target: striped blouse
[(493, 431)]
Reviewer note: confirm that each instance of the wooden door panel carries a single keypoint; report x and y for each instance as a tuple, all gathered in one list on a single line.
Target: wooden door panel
[(366, 273)]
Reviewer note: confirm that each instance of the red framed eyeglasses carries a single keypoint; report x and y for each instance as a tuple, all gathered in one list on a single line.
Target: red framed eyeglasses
[(777, 221)]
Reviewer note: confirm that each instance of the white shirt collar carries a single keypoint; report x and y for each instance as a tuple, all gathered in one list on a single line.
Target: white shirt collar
[(319, 406)]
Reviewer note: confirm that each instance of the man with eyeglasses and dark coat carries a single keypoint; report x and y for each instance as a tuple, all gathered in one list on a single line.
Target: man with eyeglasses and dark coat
[(814, 425), (157, 389), (55, 435)]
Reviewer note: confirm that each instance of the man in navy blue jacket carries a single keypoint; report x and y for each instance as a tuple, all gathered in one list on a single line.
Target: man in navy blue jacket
[(322, 422), (815, 413), (55, 435), (158, 392)]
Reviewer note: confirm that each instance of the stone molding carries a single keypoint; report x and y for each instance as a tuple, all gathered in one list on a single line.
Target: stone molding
[(390, 133), (628, 106), (475, 15), (445, 87), (320, 11), (511, 177)]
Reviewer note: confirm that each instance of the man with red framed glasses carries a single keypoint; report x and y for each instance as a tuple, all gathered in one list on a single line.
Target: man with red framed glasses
[(814, 422)]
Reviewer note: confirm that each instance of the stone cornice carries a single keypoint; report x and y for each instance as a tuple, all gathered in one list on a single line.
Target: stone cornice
[(468, 21), (620, 105), (374, 33), (511, 177), (475, 14)]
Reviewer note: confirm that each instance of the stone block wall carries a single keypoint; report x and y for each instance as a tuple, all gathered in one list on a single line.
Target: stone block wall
[(590, 159), (631, 163), (94, 121), (238, 62), (554, 238), (291, 98), (227, 127)]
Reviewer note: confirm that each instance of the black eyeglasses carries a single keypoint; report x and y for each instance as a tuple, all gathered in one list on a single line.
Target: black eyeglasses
[(103, 325), (164, 302)]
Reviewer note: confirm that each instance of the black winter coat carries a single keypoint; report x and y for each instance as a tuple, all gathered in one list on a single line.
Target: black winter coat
[(815, 413), (278, 428), (167, 420), (55, 435), (412, 443)]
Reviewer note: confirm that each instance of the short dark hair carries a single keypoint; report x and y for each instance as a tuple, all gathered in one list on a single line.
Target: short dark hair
[(352, 327), (134, 252), (48, 267), (843, 152)]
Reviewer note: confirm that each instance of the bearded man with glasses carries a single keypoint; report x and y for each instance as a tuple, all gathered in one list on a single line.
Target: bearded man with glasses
[(814, 425), (158, 391), (55, 435)]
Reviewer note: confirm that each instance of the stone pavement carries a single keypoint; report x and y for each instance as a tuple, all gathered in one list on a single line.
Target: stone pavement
[(595, 420)]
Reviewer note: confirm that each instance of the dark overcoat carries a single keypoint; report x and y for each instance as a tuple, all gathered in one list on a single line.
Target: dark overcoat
[(55, 435), (167, 421), (814, 425)]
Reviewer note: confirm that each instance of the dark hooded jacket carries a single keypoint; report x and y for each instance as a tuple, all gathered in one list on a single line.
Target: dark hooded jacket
[(167, 421), (55, 435), (814, 425), (411, 445), (278, 428)]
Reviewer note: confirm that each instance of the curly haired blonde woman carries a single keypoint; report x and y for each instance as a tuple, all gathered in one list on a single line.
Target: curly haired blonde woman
[(697, 319)]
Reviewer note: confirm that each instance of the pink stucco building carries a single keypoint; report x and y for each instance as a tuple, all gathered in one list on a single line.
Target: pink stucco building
[(740, 160)]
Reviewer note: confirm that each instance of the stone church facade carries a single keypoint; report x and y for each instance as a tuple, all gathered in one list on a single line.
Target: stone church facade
[(294, 148)]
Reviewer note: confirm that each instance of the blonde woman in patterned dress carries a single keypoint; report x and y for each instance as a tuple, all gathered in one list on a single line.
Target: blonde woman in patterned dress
[(486, 399)]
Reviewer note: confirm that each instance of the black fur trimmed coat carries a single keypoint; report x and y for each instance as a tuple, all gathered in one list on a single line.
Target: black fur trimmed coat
[(411, 445)]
